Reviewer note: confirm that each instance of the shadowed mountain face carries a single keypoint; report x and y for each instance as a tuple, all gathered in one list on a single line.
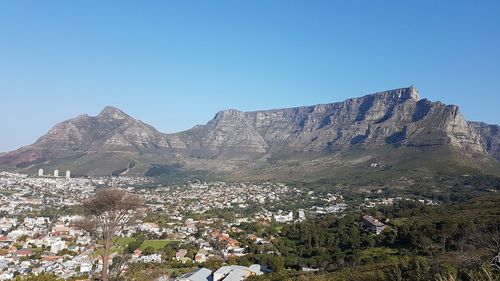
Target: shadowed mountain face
[(236, 141), (491, 137)]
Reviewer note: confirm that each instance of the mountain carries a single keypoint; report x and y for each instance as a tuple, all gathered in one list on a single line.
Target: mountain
[(395, 127)]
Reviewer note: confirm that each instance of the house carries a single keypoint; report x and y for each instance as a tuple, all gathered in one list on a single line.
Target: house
[(7, 276), (237, 272), (85, 266), (149, 227), (284, 218), (259, 269), (74, 248), (51, 258), (201, 256), (180, 254), (60, 230), (24, 253), (238, 275), (233, 242), (137, 253), (252, 237), (57, 246), (83, 240), (201, 274), (150, 258), (373, 225), (224, 271)]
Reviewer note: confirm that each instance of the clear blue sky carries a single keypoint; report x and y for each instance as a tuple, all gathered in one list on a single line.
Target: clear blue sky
[(174, 64)]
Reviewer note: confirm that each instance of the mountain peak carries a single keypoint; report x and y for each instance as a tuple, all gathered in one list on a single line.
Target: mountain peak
[(110, 112), (413, 92)]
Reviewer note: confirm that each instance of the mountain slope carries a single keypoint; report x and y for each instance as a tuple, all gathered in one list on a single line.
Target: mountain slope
[(317, 140)]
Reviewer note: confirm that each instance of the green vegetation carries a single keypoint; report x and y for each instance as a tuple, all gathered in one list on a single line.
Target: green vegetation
[(156, 244), (130, 244), (124, 241), (454, 241)]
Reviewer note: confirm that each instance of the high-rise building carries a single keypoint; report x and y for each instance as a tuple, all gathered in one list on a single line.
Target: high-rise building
[(68, 174), (40, 173), (56, 173)]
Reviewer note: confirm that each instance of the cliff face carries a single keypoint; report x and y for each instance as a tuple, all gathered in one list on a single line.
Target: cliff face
[(491, 137), (395, 118)]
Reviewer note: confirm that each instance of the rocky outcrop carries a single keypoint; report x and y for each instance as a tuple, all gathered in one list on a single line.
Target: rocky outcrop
[(491, 137), (396, 118)]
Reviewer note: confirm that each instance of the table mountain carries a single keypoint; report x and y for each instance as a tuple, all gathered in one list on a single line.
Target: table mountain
[(291, 141)]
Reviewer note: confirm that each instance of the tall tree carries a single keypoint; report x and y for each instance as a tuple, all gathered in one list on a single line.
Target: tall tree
[(106, 215)]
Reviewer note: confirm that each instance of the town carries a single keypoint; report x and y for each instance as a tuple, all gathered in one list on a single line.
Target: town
[(188, 225)]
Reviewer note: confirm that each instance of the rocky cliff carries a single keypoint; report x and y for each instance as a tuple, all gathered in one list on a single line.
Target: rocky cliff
[(491, 137), (396, 118)]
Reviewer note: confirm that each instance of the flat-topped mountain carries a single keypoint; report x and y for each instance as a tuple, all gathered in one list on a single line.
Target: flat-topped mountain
[(391, 117), (251, 144)]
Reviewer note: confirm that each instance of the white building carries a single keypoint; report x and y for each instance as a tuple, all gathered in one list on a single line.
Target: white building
[(40, 173), (85, 267), (57, 246), (373, 225), (56, 173), (68, 174), (302, 215), (284, 218), (201, 274), (237, 272)]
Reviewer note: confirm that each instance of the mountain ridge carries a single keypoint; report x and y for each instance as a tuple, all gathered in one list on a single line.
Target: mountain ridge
[(236, 140)]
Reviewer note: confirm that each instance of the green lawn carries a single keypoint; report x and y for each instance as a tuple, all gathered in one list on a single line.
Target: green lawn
[(156, 244), (124, 241)]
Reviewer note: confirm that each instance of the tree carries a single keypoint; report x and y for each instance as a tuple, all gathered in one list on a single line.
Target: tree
[(149, 251), (134, 245), (446, 229), (105, 216), (488, 237)]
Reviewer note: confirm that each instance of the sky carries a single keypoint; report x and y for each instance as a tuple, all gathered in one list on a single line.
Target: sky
[(174, 64)]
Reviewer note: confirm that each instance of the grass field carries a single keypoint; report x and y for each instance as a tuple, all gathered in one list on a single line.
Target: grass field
[(124, 241), (156, 244), (378, 253)]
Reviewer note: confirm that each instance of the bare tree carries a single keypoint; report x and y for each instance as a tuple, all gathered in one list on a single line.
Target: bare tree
[(105, 216)]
